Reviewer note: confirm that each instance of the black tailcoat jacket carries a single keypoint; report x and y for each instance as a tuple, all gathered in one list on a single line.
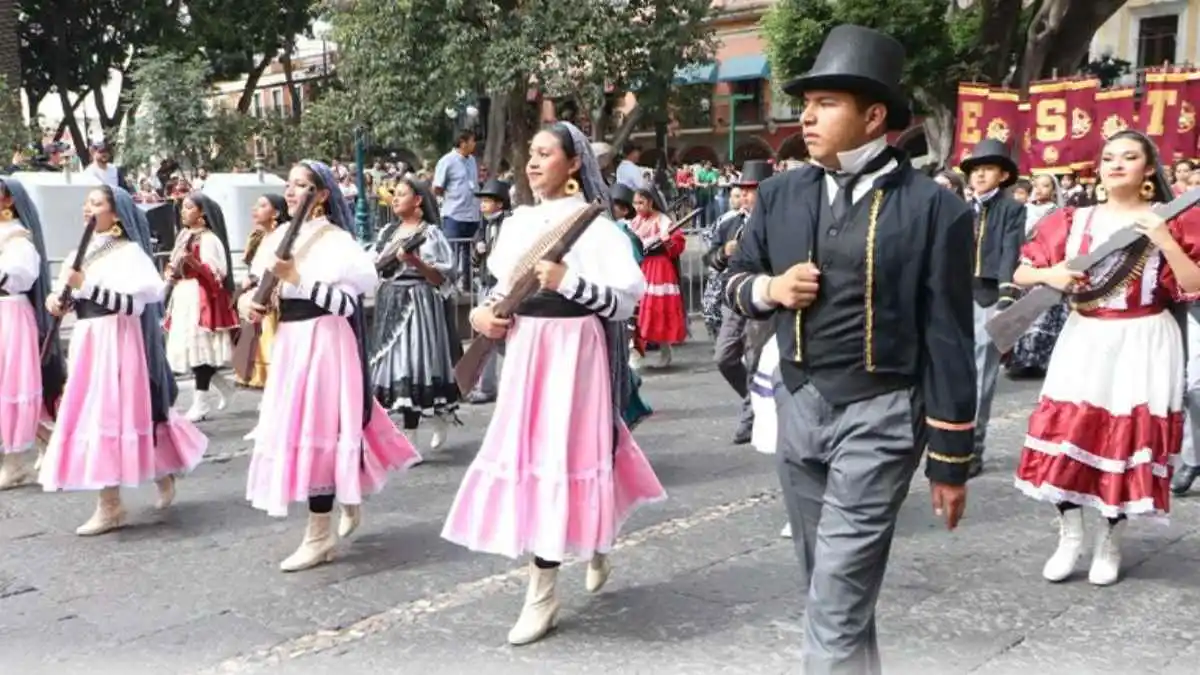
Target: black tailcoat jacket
[(999, 234), (918, 309)]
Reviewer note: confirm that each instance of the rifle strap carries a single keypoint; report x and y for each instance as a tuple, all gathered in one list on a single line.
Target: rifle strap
[(302, 253)]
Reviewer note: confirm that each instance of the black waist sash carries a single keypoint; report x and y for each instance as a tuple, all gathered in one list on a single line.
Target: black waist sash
[(551, 305), (296, 309), (86, 309)]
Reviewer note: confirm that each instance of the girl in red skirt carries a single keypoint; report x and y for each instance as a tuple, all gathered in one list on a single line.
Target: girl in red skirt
[(661, 318), (1110, 416)]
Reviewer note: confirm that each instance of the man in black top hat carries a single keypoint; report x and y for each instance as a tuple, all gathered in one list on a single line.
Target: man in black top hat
[(739, 340), (999, 233), (864, 264), (495, 202)]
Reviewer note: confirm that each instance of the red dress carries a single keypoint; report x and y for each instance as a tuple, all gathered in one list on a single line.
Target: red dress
[(216, 303), (1110, 415), (661, 317)]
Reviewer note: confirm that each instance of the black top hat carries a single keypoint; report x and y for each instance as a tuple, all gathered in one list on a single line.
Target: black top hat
[(861, 61), (755, 171), (622, 193), (496, 189), (994, 152)]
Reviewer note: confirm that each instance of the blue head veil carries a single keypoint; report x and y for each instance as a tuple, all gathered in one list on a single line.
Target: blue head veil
[(338, 212), (54, 371), (163, 390)]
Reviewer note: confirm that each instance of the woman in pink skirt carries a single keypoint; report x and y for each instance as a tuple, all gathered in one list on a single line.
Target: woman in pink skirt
[(321, 436), (558, 473), (115, 424), (29, 386)]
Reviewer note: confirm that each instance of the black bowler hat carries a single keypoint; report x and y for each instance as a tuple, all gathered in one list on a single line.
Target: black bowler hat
[(496, 189), (993, 152), (860, 61), (755, 171), (622, 194)]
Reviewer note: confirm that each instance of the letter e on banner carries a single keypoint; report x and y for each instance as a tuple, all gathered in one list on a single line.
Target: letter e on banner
[(972, 100)]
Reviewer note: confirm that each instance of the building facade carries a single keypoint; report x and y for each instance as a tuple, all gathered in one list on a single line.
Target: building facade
[(742, 113), (1150, 33)]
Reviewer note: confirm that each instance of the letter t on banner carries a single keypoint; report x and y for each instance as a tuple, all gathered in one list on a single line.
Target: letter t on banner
[(1159, 114)]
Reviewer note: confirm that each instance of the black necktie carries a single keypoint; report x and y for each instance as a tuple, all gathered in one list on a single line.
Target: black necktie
[(844, 198)]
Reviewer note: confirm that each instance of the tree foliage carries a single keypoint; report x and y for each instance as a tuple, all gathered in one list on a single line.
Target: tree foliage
[(177, 119), (73, 49), (14, 133), (408, 61)]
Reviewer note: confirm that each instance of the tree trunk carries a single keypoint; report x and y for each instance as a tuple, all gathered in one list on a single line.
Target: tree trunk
[(627, 127), (251, 85), (78, 139), (290, 80), (522, 125), (1059, 37), (10, 50), (939, 129), (497, 127), (998, 38)]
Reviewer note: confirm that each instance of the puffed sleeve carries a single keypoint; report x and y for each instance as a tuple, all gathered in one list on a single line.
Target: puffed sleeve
[(609, 285), (356, 276), (139, 283), (20, 265), (436, 252), (1048, 246), (1186, 230)]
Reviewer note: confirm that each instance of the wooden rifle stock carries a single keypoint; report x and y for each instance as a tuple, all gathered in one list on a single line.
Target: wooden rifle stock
[(64, 296), (675, 227), (386, 263), (245, 351), (470, 366)]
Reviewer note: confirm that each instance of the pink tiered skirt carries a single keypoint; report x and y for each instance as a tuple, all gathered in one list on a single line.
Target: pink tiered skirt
[(310, 440), (547, 479), (20, 375), (105, 435)]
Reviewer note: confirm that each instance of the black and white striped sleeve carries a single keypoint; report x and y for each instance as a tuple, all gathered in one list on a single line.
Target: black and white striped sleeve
[(121, 303), (331, 298), (607, 302)]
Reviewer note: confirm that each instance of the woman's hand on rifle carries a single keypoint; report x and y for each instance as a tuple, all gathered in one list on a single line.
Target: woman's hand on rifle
[(256, 312), (75, 279), (550, 274), (485, 322), (285, 270), (54, 306)]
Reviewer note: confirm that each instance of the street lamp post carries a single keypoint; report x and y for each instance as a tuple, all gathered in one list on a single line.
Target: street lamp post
[(362, 211)]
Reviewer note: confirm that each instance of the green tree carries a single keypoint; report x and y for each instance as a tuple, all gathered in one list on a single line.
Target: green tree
[(176, 117), (14, 133), (408, 61)]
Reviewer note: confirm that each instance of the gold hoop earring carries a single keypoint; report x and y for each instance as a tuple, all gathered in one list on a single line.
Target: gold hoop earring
[(1148, 190), (7, 214), (318, 211), (572, 186), (115, 231), (1101, 194)]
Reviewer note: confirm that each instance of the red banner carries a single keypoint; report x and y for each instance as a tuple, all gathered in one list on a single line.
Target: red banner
[(1159, 116), (1063, 133), (972, 100)]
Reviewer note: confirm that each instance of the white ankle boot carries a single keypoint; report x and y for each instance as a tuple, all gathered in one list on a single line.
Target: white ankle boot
[(317, 547), (1106, 558), (540, 613), (599, 568), (166, 492), (1070, 546), (217, 389), (109, 514), (201, 407), (440, 430), (15, 470), (350, 520)]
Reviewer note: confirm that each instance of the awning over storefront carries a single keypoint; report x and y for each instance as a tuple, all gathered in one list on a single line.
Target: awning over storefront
[(696, 73), (745, 67)]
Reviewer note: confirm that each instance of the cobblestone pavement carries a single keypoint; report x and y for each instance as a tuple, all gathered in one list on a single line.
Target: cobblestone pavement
[(703, 583)]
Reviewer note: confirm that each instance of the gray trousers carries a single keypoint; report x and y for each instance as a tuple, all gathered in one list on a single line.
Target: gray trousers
[(845, 472), (987, 371), (738, 346)]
